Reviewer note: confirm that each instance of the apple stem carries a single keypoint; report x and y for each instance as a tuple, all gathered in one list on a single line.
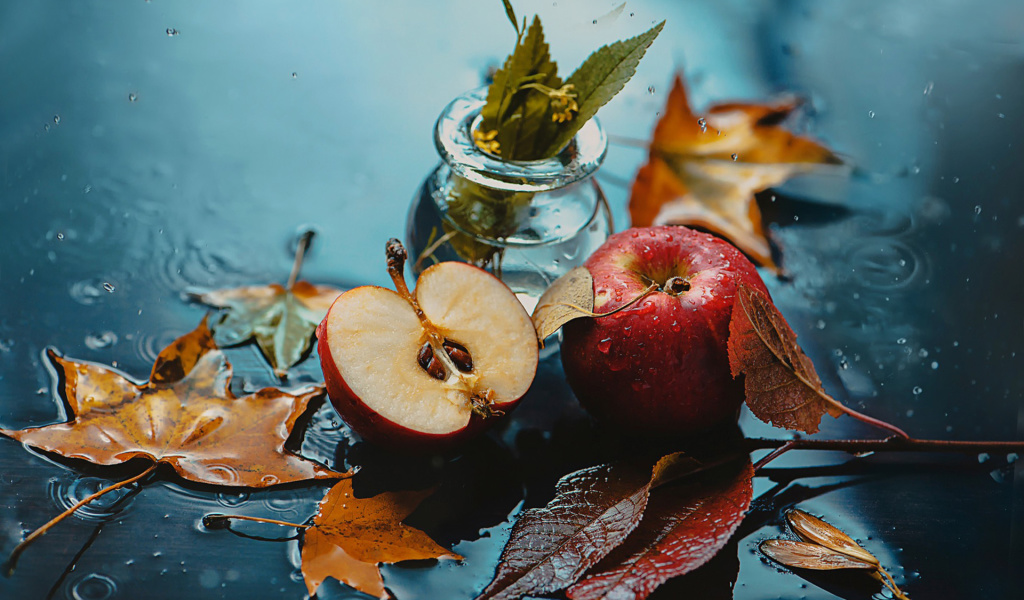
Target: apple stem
[(300, 253), (216, 520), (12, 561)]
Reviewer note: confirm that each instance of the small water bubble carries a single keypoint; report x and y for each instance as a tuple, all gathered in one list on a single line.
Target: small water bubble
[(171, 32), (132, 97), (910, 413), (922, 353), (735, 157), (871, 114), (98, 341), (917, 390), (820, 324), (56, 119), (60, 236), (901, 341), (108, 286), (935, 364)]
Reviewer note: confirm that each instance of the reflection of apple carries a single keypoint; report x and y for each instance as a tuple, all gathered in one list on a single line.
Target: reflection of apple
[(430, 367), (662, 365)]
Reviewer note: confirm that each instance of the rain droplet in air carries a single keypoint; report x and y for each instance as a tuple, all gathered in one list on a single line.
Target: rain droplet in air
[(132, 97), (650, 89), (735, 157), (871, 114), (56, 119), (977, 209), (109, 287), (703, 124), (171, 32)]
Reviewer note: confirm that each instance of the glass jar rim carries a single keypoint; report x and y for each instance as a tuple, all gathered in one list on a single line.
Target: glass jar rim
[(453, 136)]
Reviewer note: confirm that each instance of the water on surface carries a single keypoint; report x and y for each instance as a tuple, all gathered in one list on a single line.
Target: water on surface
[(150, 147)]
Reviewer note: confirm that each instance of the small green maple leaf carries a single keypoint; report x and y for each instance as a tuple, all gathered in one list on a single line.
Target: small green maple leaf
[(282, 319)]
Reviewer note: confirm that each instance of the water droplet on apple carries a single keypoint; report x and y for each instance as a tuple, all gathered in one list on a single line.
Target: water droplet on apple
[(604, 345)]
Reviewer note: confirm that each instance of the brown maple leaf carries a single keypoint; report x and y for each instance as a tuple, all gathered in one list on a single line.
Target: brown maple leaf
[(703, 171), (780, 383), (185, 416), (282, 319), (350, 536)]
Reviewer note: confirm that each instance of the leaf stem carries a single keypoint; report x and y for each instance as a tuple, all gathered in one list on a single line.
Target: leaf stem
[(12, 561), (863, 418), (300, 254), (213, 520), (890, 444)]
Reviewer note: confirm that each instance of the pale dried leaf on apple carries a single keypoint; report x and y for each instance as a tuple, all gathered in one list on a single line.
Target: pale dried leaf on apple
[(571, 296)]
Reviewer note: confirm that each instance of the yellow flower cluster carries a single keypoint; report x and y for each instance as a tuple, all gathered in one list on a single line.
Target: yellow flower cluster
[(485, 141), (562, 100)]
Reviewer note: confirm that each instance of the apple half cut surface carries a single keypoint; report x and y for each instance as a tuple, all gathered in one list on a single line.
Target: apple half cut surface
[(430, 367)]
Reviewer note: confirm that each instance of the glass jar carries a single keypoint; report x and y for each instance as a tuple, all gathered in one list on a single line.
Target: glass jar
[(528, 222)]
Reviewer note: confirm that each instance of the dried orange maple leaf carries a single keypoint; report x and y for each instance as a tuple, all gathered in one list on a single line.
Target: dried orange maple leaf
[(703, 171), (184, 416), (282, 319), (350, 536)]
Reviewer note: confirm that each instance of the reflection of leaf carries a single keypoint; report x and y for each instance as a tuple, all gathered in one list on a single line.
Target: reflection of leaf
[(185, 416), (704, 171), (593, 511), (825, 548), (782, 387), (350, 536), (281, 318), (684, 526), (571, 296)]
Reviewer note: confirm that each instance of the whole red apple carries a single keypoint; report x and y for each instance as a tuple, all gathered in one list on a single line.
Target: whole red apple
[(661, 366), (430, 367)]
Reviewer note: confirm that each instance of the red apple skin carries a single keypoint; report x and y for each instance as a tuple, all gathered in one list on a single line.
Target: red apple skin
[(374, 428), (661, 366)]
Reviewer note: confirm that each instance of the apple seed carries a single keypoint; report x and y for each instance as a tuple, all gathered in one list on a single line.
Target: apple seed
[(426, 359)]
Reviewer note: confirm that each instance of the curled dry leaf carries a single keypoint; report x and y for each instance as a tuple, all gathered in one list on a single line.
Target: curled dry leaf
[(593, 511), (703, 171), (282, 319), (804, 555), (571, 296), (782, 387), (350, 536), (184, 416), (684, 526), (814, 530), (825, 548)]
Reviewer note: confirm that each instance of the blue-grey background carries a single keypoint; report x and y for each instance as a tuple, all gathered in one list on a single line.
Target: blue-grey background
[(146, 147)]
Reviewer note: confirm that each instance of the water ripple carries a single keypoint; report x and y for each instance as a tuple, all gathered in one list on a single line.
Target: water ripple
[(68, 490)]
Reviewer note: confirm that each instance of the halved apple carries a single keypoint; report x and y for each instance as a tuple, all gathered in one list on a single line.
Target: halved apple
[(428, 368)]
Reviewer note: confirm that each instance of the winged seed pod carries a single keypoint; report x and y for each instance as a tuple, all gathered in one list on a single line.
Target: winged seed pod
[(824, 548), (814, 530)]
